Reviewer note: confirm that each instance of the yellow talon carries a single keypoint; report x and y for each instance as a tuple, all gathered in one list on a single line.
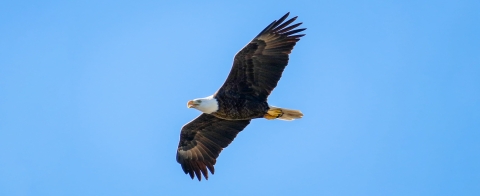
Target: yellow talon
[(273, 114), (269, 117)]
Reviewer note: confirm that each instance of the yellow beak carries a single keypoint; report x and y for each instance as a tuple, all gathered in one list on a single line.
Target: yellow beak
[(190, 104)]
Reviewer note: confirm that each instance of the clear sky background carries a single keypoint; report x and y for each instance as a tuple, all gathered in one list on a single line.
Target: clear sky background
[(93, 95)]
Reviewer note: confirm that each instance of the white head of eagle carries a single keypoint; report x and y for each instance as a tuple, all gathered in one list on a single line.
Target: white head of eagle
[(206, 105)]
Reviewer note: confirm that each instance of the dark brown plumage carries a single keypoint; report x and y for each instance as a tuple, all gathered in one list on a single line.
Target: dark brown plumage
[(256, 70), (202, 140)]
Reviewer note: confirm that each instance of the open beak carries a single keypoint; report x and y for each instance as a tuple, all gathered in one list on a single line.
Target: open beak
[(190, 104)]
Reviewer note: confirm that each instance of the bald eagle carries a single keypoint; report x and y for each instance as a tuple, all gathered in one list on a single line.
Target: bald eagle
[(256, 70)]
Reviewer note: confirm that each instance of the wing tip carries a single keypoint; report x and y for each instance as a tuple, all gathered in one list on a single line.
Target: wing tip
[(197, 169), (282, 27)]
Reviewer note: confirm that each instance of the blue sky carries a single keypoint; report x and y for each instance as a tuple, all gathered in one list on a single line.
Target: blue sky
[(93, 96)]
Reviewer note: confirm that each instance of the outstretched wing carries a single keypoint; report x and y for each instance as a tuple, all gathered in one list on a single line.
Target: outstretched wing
[(202, 140), (258, 67)]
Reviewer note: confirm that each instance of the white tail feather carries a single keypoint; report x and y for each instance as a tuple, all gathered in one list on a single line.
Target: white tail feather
[(288, 114)]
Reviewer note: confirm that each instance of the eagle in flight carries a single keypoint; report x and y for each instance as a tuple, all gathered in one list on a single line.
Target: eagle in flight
[(256, 70)]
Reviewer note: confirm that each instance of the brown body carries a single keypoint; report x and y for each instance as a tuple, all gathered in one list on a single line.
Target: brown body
[(241, 108)]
